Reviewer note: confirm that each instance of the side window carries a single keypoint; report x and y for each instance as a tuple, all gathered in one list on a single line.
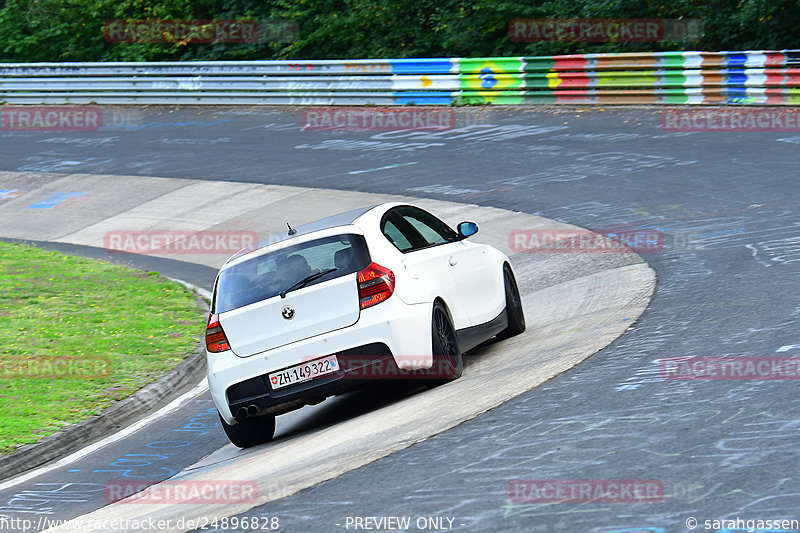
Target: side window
[(433, 230), (410, 228), (395, 236)]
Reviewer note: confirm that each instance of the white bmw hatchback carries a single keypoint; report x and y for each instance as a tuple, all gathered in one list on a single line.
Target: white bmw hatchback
[(387, 291)]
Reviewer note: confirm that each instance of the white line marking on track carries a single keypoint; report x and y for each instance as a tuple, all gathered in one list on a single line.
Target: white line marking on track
[(788, 347), (754, 251), (383, 168)]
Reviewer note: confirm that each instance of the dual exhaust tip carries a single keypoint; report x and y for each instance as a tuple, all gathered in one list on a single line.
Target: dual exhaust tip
[(248, 412)]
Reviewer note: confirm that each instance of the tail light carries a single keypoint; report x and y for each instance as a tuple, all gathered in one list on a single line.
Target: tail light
[(375, 284), (216, 341)]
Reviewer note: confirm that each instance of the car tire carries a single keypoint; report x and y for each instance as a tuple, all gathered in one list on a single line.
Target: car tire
[(514, 312), (448, 363), (251, 431)]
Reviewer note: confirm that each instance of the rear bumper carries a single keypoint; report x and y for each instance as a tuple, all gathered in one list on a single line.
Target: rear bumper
[(257, 393), (387, 333)]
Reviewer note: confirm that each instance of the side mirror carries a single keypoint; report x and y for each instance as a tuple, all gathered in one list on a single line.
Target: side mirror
[(466, 229)]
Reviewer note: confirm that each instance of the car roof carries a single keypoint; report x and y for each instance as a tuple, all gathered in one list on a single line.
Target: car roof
[(333, 221)]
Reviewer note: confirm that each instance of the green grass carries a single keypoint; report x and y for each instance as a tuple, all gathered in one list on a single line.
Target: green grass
[(80, 334)]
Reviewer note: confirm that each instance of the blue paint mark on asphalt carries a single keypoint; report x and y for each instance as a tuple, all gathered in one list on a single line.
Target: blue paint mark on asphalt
[(8, 194), (153, 125), (147, 466), (54, 200), (638, 530), (487, 78), (728, 530), (656, 227), (722, 233)]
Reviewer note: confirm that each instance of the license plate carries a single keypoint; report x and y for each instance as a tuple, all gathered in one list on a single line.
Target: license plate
[(303, 372)]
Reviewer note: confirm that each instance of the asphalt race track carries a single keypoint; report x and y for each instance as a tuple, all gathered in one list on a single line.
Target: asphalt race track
[(727, 204), (590, 302)]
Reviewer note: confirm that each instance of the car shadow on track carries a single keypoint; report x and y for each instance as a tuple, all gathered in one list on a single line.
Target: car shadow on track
[(335, 410)]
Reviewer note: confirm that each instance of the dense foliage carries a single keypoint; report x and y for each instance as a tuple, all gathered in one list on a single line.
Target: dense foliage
[(72, 30)]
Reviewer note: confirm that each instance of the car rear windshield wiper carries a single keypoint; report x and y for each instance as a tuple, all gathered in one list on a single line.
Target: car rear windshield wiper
[(306, 280)]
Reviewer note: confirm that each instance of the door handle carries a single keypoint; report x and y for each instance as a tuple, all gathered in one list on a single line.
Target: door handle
[(453, 261)]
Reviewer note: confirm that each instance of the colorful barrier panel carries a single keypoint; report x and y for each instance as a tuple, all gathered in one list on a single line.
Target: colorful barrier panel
[(758, 77)]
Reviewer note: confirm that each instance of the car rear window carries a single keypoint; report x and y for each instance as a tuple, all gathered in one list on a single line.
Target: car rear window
[(267, 275)]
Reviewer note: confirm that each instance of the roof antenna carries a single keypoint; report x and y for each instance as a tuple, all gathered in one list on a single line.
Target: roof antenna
[(292, 231)]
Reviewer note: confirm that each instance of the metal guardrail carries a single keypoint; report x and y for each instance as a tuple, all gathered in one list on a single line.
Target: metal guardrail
[(751, 77)]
